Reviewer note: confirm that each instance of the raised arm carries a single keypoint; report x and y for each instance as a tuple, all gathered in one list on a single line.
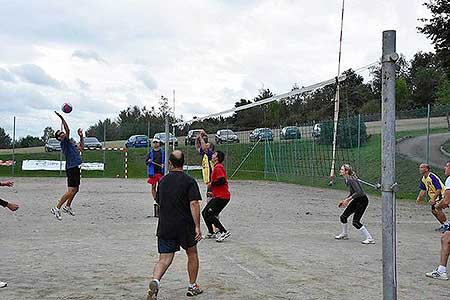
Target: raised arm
[(66, 127), (202, 140)]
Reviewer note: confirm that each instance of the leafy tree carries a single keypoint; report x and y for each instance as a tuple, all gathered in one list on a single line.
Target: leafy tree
[(5, 140), (30, 141), (437, 28)]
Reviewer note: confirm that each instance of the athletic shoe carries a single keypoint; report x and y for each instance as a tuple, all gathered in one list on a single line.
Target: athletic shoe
[(3, 284), (153, 289), (68, 210), (56, 213), (436, 275), (445, 227), (194, 291), (368, 242), (440, 229), (210, 236), (220, 237), (342, 236)]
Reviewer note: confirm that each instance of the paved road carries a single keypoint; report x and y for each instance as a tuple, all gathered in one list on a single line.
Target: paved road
[(416, 149)]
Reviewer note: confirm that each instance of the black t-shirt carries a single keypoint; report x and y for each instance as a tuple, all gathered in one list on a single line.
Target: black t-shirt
[(175, 192), (157, 158)]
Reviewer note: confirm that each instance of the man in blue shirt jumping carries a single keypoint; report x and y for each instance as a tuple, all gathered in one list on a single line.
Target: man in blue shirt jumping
[(73, 165)]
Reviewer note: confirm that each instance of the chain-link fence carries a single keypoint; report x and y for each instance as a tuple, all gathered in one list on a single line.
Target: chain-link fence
[(297, 153)]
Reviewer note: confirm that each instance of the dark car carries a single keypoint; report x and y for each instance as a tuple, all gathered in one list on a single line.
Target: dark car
[(226, 136), (261, 134), (92, 142), (137, 141), (192, 134), (52, 145), (162, 137), (290, 133)]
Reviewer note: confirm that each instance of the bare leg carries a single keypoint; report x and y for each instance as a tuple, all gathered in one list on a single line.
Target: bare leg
[(64, 198), (74, 192), (445, 248), (154, 191), (192, 264), (165, 260), (439, 214)]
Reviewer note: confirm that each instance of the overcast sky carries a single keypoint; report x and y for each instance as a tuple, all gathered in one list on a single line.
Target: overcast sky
[(103, 56)]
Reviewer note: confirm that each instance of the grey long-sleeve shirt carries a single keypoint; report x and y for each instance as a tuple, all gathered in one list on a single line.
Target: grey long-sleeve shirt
[(356, 189)]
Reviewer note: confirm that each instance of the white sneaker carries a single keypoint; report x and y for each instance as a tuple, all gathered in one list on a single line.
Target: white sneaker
[(220, 237), (342, 236), (436, 275), (55, 211), (3, 284), (368, 242), (210, 236), (153, 289), (68, 210)]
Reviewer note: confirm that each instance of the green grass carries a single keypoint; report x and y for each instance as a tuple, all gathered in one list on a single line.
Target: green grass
[(295, 161)]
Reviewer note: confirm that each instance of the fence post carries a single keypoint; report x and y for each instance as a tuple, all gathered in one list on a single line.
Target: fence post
[(428, 133), (166, 145), (13, 170), (104, 146), (359, 141), (389, 58)]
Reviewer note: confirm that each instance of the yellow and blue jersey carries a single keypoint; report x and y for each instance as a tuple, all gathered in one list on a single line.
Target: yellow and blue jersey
[(431, 184)]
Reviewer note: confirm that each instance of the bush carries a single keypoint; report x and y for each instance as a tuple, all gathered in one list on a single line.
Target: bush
[(347, 136)]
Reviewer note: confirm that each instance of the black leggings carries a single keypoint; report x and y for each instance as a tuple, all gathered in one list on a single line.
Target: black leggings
[(357, 207), (211, 213)]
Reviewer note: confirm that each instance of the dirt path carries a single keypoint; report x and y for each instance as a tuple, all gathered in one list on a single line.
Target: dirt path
[(282, 246), (416, 149)]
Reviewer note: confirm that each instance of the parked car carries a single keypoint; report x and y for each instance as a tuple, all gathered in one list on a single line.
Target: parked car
[(316, 131), (92, 142), (261, 134), (192, 134), (290, 133), (162, 137), (52, 145), (137, 141), (226, 136)]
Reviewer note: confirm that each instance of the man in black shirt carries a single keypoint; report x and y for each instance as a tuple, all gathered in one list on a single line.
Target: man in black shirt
[(178, 197), (11, 207)]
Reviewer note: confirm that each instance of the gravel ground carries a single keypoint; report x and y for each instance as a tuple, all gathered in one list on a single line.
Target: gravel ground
[(282, 246)]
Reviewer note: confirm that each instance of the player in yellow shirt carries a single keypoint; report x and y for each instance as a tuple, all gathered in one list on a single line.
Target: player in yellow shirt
[(430, 183)]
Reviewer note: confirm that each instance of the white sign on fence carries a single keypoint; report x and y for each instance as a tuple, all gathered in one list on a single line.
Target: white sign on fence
[(56, 165)]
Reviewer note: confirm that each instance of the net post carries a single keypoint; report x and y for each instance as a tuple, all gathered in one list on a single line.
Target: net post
[(126, 162), (166, 144), (13, 170), (428, 132), (388, 166), (104, 146)]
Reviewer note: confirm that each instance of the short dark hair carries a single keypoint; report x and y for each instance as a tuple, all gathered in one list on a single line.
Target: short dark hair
[(220, 156), (57, 133), (177, 162)]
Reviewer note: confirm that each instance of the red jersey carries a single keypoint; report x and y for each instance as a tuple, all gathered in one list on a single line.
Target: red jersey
[(220, 191)]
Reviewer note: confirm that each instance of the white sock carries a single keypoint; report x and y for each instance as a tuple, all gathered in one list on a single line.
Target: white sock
[(365, 232), (442, 269), (447, 223), (344, 228), (192, 285), (157, 281)]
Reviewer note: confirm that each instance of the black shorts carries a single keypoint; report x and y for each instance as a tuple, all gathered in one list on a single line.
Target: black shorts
[(73, 177), (172, 246)]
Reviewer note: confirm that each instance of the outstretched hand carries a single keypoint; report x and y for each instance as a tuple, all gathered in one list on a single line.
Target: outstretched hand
[(8, 183), (58, 114), (343, 203), (12, 206)]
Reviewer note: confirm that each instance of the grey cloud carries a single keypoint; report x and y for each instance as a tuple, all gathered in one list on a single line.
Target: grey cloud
[(5, 75), (146, 79), (17, 98), (195, 108), (83, 85), (34, 74), (88, 55)]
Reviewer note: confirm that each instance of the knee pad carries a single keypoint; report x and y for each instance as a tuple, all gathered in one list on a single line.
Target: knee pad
[(357, 224), (343, 219)]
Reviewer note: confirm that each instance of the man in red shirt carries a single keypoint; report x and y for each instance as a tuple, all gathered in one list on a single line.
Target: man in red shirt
[(220, 198)]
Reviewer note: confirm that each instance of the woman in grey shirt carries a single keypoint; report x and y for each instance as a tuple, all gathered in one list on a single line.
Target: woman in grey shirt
[(356, 203)]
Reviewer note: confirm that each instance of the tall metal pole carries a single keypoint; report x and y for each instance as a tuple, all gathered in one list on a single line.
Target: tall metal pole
[(359, 141), (13, 170), (166, 145), (104, 146), (428, 133), (389, 185), (174, 119)]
